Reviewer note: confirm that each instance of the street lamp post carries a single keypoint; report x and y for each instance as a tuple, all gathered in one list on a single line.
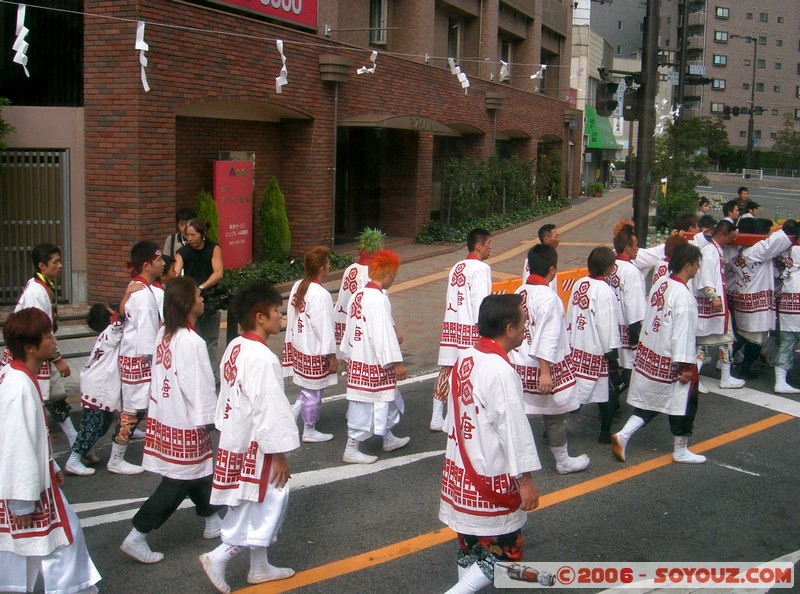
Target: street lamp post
[(750, 122)]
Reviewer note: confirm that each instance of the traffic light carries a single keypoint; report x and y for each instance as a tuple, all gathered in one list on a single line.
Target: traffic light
[(630, 104), (604, 98)]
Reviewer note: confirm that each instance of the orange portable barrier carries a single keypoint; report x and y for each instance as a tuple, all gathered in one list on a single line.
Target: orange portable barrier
[(565, 279)]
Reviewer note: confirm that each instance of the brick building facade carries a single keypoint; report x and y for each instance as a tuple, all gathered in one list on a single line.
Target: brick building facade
[(212, 91)]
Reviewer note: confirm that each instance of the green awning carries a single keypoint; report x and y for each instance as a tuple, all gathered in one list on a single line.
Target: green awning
[(598, 129)]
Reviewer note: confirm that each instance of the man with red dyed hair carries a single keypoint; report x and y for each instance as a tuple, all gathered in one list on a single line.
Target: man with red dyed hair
[(374, 363)]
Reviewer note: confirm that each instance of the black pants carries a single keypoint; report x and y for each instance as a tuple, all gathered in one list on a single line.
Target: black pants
[(680, 425), (169, 494)]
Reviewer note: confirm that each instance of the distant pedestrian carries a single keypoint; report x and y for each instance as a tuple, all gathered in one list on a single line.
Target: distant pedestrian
[(176, 241), (548, 235), (703, 206), (731, 211)]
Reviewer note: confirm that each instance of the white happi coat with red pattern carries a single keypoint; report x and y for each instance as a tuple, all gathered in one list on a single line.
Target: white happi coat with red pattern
[(754, 288), (469, 281), (354, 278), (182, 403), (593, 329), (100, 383), (711, 274), (789, 300), (667, 339), (137, 346), (488, 427), (545, 338), (255, 421), (371, 347), (309, 338), (626, 282)]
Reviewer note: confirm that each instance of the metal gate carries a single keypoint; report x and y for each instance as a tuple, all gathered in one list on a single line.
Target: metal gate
[(34, 209)]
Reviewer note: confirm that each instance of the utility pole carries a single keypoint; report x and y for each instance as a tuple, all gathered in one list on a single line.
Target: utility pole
[(684, 39), (750, 122), (647, 121)]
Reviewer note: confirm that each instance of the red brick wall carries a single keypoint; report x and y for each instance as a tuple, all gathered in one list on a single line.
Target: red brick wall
[(140, 164)]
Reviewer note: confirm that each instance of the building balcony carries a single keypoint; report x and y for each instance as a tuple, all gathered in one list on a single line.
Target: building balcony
[(697, 19), (696, 43), (693, 112)]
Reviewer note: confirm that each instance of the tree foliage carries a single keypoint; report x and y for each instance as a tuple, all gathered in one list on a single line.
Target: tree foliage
[(5, 127), (682, 154), (276, 239), (206, 208), (787, 144)]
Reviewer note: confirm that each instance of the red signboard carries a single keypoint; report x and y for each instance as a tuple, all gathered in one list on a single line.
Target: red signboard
[(301, 12), (233, 193)]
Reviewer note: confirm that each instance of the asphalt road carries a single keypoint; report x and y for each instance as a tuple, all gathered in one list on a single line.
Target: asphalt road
[(783, 193)]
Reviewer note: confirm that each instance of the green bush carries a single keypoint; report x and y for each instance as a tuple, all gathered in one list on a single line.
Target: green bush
[(437, 231), (274, 272), (674, 204), (5, 127), (595, 188), (276, 239), (206, 208)]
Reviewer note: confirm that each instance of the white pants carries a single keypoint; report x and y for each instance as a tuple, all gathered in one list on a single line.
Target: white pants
[(365, 419), (256, 524), (66, 570)]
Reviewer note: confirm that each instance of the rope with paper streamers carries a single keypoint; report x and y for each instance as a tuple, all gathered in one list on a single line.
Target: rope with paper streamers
[(20, 47)]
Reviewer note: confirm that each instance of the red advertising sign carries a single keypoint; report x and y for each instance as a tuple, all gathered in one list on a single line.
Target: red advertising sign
[(233, 193), (301, 12)]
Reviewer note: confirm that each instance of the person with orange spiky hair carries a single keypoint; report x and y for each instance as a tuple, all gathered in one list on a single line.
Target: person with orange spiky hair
[(374, 363)]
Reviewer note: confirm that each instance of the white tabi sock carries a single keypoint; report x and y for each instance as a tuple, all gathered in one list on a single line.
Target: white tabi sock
[(260, 569), (69, 430), (470, 581)]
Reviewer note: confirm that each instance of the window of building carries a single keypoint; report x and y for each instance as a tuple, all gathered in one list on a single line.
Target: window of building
[(749, 16), (723, 12), (757, 134), (774, 112), (742, 134), (618, 50), (453, 39), (762, 40), (746, 62), (717, 107), (773, 135), (746, 86), (798, 68), (778, 66), (797, 113), (776, 88), (779, 19), (718, 84), (760, 63), (763, 17), (797, 91), (377, 21), (619, 25), (720, 60), (779, 43), (760, 87), (721, 36)]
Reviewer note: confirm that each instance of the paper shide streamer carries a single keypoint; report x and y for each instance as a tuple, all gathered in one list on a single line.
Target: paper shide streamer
[(142, 46), (20, 46), (364, 69), (456, 71), (283, 78)]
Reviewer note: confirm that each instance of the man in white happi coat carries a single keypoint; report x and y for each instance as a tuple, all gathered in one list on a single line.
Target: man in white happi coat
[(354, 278), (753, 294), (593, 329), (788, 311), (628, 286), (182, 406), (309, 348), (40, 292), (542, 360), (548, 235), (714, 319), (665, 375), (39, 532), (136, 349), (469, 281), (257, 430), (487, 488), (374, 363)]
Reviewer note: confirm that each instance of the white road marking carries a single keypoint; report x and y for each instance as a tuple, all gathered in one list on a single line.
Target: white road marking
[(737, 469), (769, 401), (302, 480)]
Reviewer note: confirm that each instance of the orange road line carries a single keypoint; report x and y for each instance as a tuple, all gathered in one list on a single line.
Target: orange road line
[(523, 247), (443, 535)]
